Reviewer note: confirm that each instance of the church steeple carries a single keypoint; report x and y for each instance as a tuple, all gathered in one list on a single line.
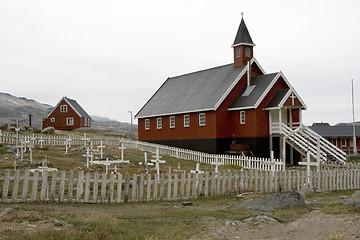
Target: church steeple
[(243, 45)]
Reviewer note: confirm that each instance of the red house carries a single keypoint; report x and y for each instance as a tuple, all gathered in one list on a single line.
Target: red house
[(67, 115), (230, 108)]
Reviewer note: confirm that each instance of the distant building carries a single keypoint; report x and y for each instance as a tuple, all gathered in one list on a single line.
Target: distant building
[(339, 135), (67, 115)]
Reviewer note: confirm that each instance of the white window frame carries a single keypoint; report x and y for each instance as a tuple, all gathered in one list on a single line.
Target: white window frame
[(52, 119), (351, 142), (187, 120), (237, 52), (70, 121), (247, 52), (343, 139), (334, 141), (242, 117), (159, 123), (147, 124), (172, 121), (202, 119), (63, 108)]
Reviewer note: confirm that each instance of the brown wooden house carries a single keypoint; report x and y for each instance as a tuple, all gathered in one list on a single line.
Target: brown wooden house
[(230, 108), (67, 115)]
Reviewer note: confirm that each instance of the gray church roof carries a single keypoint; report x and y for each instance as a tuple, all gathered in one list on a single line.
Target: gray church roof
[(243, 35), (193, 92), (277, 98), (336, 131), (77, 108), (260, 83)]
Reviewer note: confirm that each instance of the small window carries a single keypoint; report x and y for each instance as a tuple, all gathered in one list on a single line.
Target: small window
[(242, 117), (70, 121), (159, 123), (351, 142), (247, 52), (334, 141), (237, 52), (186, 120), (147, 124), (172, 122), (63, 108), (52, 119), (343, 142), (202, 120)]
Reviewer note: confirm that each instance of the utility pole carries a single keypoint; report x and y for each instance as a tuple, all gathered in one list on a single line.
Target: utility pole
[(131, 122), (353, 112)]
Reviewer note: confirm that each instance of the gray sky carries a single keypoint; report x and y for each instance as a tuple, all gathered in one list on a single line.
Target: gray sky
[(111, 56)]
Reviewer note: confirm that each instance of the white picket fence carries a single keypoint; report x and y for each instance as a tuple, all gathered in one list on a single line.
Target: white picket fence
[(64, 186), (265, 164)]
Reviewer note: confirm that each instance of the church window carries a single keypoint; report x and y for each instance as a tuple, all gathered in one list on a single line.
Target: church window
[(237, 52), (172, 122), (147, 124), (52, 119), (242, 117), (343, 142), (334, 141), (186, 120), (159, 123), (247, 52), (202, 120)]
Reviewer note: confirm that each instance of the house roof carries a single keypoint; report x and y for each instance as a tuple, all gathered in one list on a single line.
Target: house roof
[(277, 98), (336, 131), (193, 92), (80, 111), (243, 35), (261, 84), (74, 105)]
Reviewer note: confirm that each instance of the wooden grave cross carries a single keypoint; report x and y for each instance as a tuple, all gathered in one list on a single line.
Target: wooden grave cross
[(101, 149), (88, 155), (41, 141), (146, 163), (1, 136), (157, 162), (108, 162), (67, 144), (122, 148), (197, 170), (85, 139), (217, 164)]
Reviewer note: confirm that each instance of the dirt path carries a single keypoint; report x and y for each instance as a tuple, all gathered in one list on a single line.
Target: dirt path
[(313, 225)]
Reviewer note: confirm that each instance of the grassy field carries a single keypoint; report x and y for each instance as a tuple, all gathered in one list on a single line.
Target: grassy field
[(74, 160)]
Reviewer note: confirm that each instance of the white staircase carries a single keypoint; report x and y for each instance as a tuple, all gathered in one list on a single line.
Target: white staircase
[(305, 140)]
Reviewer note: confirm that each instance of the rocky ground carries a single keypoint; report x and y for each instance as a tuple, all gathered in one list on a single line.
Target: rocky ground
[(334, 215)]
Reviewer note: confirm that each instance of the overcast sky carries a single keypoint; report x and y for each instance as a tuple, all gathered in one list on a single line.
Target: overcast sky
[(111, 56)]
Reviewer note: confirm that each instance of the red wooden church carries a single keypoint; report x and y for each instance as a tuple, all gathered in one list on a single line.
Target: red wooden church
[(67, 115), (230, 108)]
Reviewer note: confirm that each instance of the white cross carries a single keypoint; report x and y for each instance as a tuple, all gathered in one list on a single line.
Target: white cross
[(67, 144), (122, 148), (146, 163), (1, 136), (292, 96), (85, 139), (87, 155), (41, 142), (217, 163), (157, 161), (107, 163), (197, 171), (101, 149)]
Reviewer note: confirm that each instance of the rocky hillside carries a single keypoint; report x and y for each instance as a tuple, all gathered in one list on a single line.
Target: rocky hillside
[(13, 108)]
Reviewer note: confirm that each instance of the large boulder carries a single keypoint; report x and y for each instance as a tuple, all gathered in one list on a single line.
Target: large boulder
[(48, 130), (272, 201)]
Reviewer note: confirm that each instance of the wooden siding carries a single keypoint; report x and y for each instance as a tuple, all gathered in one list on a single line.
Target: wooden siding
[(60, 118), (194, 131), (240, 61)]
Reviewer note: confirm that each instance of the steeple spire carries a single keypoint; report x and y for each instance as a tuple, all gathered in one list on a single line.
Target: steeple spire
[(243, 45)]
